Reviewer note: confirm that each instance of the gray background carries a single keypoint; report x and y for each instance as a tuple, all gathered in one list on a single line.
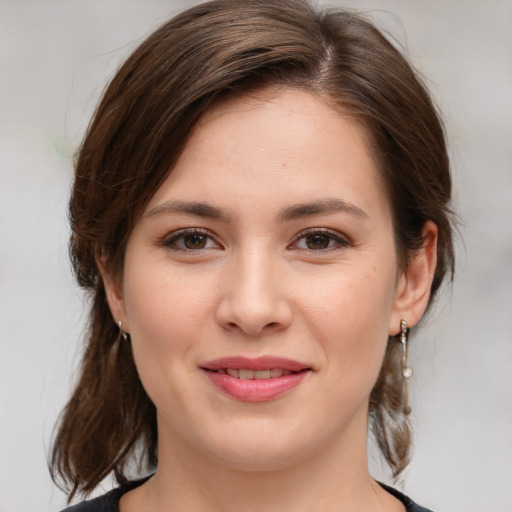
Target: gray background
[(55, 57)]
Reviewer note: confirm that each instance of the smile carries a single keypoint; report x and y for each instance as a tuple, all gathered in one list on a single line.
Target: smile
[(255, 380), (244, 374)]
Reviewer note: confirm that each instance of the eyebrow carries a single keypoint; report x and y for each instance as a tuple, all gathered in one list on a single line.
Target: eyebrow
[(192, 208), (321, 207)]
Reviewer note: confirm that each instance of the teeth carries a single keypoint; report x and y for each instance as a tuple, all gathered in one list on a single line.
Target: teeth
[(246, 374), (262, 374), (237, 373)]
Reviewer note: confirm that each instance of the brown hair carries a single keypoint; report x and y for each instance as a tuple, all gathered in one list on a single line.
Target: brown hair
[(137, 133)]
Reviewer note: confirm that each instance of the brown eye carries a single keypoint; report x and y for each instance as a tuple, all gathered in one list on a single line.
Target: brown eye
[(190, 240), (318, 241), (195, 241)]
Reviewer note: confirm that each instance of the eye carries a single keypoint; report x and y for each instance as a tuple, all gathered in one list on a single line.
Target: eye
[(190, 240), (320, 240)]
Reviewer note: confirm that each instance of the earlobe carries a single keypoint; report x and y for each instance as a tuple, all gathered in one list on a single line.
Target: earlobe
[(114, 294), (413, 288)]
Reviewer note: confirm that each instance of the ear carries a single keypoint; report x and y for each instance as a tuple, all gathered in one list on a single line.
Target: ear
[(414, 284), (114, 292)]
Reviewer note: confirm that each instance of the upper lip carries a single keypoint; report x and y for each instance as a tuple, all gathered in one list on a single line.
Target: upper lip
[(259, 363)]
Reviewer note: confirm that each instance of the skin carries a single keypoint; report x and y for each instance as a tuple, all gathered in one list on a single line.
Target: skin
[(254, 284)]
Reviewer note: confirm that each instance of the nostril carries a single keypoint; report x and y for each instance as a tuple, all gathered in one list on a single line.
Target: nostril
[(253, 317)]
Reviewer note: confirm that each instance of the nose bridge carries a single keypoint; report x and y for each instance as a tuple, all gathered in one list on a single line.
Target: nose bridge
[(255, 271), (253, 299)]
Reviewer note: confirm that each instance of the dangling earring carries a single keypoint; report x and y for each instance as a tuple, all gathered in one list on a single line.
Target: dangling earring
[(122, 333), (406, 370), (404, 334)]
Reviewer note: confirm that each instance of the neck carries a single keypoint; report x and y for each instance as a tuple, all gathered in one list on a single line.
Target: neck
[(332, 479)]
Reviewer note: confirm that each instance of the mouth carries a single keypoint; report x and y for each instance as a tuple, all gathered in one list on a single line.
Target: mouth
[(263, 367), (255, 380), (246, 374)]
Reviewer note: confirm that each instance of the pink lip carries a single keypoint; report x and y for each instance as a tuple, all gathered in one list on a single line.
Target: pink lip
[(260, 363), (255, 390)]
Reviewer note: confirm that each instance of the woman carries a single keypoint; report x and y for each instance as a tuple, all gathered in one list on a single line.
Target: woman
[(260, 213)]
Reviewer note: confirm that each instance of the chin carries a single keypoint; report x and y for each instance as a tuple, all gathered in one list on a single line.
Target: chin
[(260, 447), (257, 459)]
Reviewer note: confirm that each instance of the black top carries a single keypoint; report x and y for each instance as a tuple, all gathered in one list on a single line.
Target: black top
[(110, 502)]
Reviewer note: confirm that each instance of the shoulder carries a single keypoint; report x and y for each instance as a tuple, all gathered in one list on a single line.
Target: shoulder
[(109, 502), (410, 506)]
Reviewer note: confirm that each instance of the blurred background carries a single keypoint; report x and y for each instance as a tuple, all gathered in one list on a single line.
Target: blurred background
[(56, 57)]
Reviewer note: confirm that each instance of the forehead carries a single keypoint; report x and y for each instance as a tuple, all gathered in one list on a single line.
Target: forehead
[(290, 110), (276, 139)]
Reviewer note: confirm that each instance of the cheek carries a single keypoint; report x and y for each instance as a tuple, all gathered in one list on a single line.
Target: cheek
[(162, 302), (350, 314), (166, 316)]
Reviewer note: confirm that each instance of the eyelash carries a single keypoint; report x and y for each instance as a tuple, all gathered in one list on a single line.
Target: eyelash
[(170, 242), (340, 240)]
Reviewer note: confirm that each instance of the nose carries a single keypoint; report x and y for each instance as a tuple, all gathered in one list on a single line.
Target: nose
[(253, 299)]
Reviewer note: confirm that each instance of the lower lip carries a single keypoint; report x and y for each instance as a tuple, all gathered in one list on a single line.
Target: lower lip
[(255, 390)]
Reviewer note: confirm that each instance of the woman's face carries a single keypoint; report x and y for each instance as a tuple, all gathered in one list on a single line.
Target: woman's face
[(261, 284)]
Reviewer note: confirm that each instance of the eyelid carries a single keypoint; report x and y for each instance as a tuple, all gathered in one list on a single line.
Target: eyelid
[(172, 237), (169, 239), (342, 240)]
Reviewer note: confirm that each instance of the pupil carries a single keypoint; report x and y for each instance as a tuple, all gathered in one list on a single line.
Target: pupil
[(195, 241), (317, 241)]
